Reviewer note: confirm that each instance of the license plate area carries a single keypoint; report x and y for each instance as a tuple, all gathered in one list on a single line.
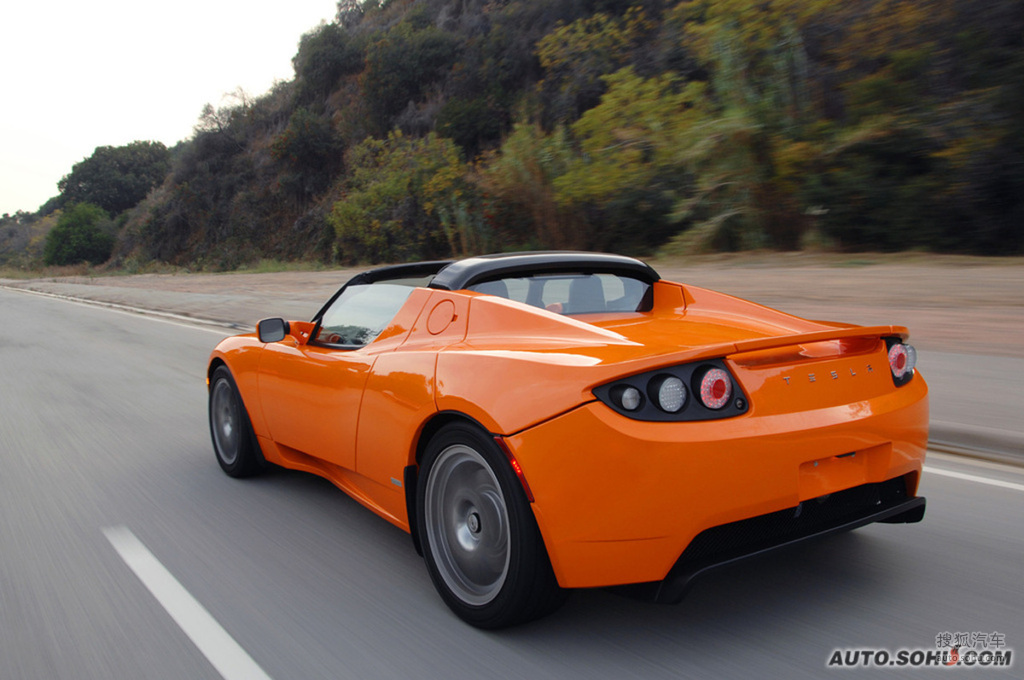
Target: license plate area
[(834, 473)]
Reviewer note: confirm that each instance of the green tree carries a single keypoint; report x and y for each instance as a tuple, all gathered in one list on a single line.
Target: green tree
[(888, 54), (576, 55), (868, 123), (881, 187), (400, 65), (518, 181), (405, 198), (116, 178), (310, 151), (656, 153), (758, 129), (631, 136), (470, 123), (326, 54), (81, 235)]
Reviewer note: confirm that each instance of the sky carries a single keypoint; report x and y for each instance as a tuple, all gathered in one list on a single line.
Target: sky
[(77, 75)]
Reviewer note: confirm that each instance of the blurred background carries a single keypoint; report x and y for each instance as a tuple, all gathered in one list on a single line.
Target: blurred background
[(415, 129), (804, 130)]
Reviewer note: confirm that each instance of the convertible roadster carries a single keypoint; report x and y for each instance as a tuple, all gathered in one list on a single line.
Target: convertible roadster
[(545, 421)]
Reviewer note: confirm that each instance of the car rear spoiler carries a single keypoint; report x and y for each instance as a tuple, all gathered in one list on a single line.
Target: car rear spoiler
[(774, 342)]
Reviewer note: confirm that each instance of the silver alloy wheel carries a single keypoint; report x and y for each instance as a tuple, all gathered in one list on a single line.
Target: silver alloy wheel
[(224, 413), (467, 525)]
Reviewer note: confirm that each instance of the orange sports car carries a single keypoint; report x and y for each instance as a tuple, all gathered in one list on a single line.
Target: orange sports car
[(545, 421)]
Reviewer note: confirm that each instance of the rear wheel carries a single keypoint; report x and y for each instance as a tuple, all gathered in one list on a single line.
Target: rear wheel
[(233, 439), (480, 540)]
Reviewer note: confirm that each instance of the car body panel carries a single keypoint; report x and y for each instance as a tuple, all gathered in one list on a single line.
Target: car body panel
[(310, 398), (398, 402), (616, 499), (622, 509)]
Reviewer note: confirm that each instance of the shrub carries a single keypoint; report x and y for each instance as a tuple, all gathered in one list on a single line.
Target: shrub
[(405, 199), (80, 235)]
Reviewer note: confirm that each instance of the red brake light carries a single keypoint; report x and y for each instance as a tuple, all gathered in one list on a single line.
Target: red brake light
[(715, 388), (902, 359)]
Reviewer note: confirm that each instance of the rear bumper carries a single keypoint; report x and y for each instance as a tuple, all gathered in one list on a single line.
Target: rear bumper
[(619, 501), (730, 543)]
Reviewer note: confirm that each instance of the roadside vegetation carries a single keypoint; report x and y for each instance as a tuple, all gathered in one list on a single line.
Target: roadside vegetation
[(418, 129)]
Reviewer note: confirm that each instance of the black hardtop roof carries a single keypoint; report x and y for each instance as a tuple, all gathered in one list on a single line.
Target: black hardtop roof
[(465, 273), (460, 274), (398, 271)]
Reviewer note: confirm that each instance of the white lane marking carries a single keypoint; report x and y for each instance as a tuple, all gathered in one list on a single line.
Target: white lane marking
[(152, 314), (969, 461), (230, 660), (974, 478)]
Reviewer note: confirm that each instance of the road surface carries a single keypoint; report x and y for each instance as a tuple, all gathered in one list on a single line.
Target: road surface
[(108, 477)]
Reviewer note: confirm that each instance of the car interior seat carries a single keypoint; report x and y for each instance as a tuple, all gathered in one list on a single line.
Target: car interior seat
[(586, 296)]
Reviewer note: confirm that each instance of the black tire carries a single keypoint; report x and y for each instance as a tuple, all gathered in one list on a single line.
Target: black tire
[(480, 540), (234, 441)]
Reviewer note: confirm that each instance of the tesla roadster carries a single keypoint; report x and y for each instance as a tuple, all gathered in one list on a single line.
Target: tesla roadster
[(546, 421)]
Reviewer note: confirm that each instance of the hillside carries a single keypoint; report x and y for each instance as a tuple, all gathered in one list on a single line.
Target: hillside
[(426, 128)]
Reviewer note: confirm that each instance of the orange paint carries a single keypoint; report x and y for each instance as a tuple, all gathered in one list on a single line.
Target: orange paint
[(617, 500)]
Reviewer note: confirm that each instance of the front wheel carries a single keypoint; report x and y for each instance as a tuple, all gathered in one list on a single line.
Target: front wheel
[(480, 540), (233, 439)]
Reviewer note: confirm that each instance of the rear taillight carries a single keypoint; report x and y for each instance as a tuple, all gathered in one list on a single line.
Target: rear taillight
[(703, 390), (668, 393), (715, 388), (628, 397), (898, 360), (902, 360)]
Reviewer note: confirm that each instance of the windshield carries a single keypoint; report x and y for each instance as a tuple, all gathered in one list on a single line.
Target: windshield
[(362, 312)]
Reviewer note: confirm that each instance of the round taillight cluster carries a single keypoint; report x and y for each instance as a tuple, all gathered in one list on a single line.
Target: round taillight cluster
[(715, 388), (902, 360), (668, 393), (630, 398), (698, 391)]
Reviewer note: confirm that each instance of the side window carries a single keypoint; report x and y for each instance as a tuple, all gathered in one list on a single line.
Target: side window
[(361, 313)]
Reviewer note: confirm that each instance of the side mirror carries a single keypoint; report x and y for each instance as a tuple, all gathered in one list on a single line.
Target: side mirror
[(272, 330)]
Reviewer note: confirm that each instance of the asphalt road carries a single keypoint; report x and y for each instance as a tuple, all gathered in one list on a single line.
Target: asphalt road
[(103, 437)]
